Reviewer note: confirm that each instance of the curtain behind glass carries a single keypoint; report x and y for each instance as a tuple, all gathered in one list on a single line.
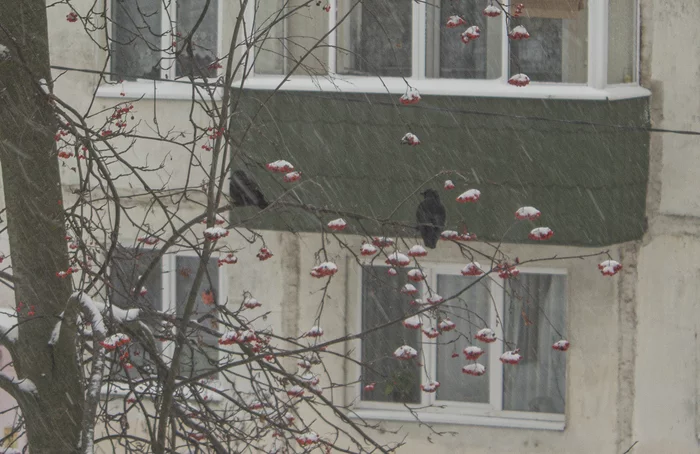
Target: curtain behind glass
[(204, 41), (557, 50), (136, 39), (534, 304), (377, 39), (269, 37), (397, 380), (201, 354), (470, 312), (447, 56)]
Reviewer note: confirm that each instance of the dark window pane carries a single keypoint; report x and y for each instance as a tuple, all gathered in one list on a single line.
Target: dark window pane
[(397, 380), (126, 268), (136, 39), (376, 39), (535, 308), (201, 354), (204, 41), (470, 312)]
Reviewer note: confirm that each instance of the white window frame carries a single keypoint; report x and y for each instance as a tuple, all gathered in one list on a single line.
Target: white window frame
[(461, 413), (595, 89), (169, 305), (168, 87)]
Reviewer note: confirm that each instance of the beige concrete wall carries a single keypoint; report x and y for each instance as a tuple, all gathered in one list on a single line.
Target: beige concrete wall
[(666, 362)]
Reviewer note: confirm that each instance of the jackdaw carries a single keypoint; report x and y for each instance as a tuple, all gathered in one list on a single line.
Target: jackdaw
[(246, 192), (431, 217)]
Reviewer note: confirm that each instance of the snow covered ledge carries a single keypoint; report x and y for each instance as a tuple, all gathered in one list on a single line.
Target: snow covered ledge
[(445, 87)]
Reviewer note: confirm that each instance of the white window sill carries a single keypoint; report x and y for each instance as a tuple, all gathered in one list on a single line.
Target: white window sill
[(444, 87), (145, 89), (475, 417)]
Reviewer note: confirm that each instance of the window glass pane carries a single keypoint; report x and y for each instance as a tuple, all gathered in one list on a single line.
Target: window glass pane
[(375, 40), (557, 50), (535, 309), (136, 39), (204, 41), (622, 39), (269, 36), (126, 268), (397, 380), (447, 56), (470, 312), (201, 354)]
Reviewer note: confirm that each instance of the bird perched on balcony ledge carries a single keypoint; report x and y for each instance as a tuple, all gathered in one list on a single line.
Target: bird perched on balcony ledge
[(431, 217), (246, 192)]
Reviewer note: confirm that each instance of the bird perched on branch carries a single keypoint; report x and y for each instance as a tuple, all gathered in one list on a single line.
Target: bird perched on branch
[(246, 192), (431, 217)]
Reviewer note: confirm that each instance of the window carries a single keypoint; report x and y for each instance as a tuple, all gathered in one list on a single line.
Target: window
[(146, 34), (580, 42), (167, 289), (527, 312)]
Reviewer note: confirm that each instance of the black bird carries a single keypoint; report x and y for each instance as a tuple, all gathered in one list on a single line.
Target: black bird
[(431, 217), (246, 192)]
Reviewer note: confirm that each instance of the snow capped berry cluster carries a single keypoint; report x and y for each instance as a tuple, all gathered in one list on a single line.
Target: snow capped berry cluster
[(541, 233), (324, 269), (430, 387), (215, 233), (454, 22), (410, 139), (237, 337), (518, 32), (229, 259), (413, 322), (410, 97), (472, 269), (492, 11), (368, 249), (115, 340), (398, 259), (417, 251), (409, 289), (470, 34), (416, 275), (609, 267), (486, 335), (449, 185), (511, 357), (475, 369), (251, 303), (519, 80), (473, 352), (382, 242), (315, 331), (472, 195), (527, 213), (405, 352), (263, 254), (561, 345), (337, 224), (280, 166)]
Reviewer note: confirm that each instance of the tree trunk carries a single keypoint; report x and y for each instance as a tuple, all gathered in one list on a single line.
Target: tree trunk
[(36, 228)]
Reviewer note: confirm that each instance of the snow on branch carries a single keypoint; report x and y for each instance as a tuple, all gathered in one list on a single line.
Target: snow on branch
[(8, 326), (117, 314), (89, 306), (17, 387)]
